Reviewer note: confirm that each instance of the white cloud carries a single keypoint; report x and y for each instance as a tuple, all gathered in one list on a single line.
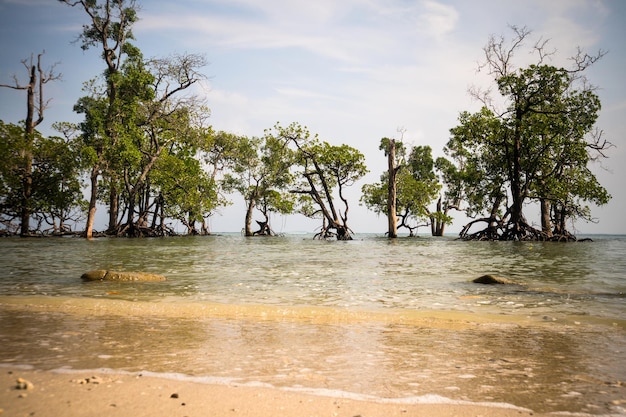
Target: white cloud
[(304, 94), (438, 19), (241, 33), (294, 11), (351, 32), (566, 36)]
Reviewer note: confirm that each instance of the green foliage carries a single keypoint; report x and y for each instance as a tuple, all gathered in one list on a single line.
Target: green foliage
[(417, 186), (55, 172), (537, 150), (145, 145), (136, 117), (323, 172), (57, 187), (344, 163), (374, 196), (12, 145), (480, 172), (188, 193), (112, 21), (260, 170)]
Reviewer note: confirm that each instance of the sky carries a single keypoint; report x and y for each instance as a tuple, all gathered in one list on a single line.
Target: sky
[(352, 71)]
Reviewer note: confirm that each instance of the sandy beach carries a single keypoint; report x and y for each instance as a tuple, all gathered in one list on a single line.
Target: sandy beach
[(51, 393)]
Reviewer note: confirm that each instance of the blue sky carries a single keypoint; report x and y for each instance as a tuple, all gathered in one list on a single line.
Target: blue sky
[(353, 71)]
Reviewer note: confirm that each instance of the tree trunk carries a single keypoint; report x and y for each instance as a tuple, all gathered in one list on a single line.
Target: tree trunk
[(162, 213), (114, 204), (437, 224), (27, 173), (191, 226), (93, 198), (559, 220), (343, 233), (130, 216), (392, 219), (205, 228), (249, 211), (546, 224), (517, 220), (157, 201)]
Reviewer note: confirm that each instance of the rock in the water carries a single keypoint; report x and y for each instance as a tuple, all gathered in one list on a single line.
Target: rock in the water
[(492, 280), (104, 275), (95, 275)]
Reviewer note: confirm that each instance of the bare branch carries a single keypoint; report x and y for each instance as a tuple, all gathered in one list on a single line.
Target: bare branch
[(582, 60), (483, 95), (541, 49), (599, 145), (498, 55), (37, 78)]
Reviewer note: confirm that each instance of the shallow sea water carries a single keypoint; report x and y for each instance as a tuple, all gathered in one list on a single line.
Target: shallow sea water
[(395, 320)]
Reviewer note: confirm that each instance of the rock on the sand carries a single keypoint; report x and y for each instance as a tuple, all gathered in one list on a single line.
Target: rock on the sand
[(21, 383), (492, 280), (104, 275)]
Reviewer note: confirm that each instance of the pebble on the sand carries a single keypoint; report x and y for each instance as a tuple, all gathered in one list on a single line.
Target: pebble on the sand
[(21, 383)]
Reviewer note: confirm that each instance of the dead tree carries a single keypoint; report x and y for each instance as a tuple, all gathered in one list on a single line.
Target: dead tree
[(35, 106)]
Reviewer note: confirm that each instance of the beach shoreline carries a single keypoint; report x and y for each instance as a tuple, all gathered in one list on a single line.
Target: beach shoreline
[(31, 392), (326, 362)]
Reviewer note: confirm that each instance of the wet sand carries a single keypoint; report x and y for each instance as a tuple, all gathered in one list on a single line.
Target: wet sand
[(52, 393), (254, 359)]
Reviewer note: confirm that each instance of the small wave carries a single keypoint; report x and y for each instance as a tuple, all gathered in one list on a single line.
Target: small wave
[(425, 399), (320, 392), (420, 399)]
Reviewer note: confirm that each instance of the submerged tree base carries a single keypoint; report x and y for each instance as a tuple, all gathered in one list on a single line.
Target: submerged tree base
[(264, 229), (520, 231), (327, 233)]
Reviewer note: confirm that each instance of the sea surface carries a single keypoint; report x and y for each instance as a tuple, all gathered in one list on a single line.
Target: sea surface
[(390, 320)]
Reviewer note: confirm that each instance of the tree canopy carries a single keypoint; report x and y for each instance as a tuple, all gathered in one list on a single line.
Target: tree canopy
[(148, 153), (537, 149), (323, 172), (416, 183), (55, 192), (261, 171)]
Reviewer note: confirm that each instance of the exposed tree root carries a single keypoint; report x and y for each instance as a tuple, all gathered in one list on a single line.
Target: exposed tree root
[(497, 230)]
